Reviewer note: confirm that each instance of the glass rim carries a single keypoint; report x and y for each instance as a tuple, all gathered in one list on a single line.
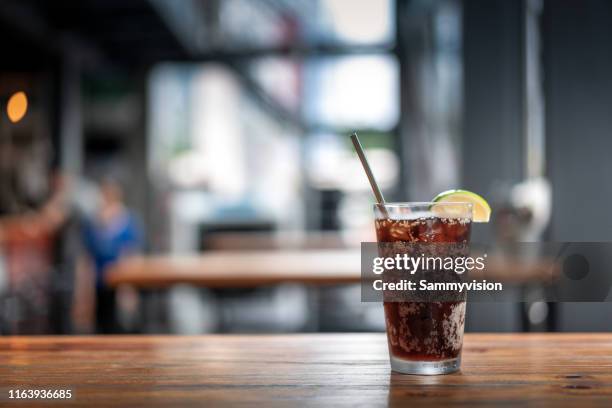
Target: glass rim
[(409, 204), (398, 210)]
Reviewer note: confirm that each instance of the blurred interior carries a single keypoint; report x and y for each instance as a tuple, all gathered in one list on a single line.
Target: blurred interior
[(221, 128)]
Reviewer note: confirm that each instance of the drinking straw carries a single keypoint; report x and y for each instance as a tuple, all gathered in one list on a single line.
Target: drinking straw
[(366, 167)]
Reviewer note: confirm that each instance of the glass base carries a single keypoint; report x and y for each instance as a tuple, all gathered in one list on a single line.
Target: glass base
[(425, 367)]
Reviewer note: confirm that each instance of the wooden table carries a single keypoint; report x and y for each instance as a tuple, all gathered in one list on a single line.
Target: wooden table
[(231, 269), (235, 269), (552, 370)]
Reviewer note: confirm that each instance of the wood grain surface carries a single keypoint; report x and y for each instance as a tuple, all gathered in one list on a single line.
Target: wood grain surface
[(540, 370)]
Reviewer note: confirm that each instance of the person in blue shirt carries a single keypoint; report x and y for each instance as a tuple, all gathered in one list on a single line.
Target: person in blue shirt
[(108, 236)]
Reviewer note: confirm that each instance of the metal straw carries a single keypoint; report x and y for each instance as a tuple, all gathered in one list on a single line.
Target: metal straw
[(366, 167)]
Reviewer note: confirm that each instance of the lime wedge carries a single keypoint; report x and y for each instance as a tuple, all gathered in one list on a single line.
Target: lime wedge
[(480, 208)]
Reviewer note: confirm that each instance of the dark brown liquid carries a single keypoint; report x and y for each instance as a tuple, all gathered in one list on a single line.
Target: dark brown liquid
[(424, 331)]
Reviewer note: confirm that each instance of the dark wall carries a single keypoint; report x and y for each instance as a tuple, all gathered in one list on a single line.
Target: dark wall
[(577, 38), (493, 93), (578, 83), (492, 141)]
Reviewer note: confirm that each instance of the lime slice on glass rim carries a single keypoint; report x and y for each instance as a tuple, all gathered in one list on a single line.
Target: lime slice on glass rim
[(481, 211)]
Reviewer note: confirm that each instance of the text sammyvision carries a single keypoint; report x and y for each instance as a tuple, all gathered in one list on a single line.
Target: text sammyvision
[(408, 266)]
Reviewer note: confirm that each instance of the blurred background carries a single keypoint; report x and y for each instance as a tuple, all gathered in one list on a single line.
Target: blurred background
[(179, 166)]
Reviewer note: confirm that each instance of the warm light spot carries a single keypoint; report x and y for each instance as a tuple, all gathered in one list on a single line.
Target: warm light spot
[(17, 106)]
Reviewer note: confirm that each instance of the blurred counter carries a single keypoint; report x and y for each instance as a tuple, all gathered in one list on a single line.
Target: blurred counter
[(240, 269)]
